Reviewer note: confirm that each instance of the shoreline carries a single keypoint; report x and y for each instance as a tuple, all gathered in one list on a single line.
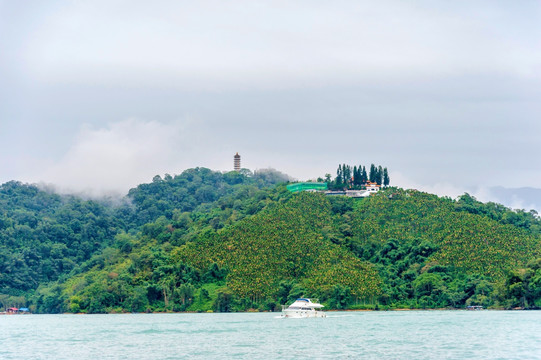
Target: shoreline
[(278, 312), (252, 311)]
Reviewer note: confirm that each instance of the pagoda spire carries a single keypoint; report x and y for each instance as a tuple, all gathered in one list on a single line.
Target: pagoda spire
[(236, 162)]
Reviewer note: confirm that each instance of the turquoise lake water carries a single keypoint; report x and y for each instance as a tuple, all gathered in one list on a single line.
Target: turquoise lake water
[(342, 335)]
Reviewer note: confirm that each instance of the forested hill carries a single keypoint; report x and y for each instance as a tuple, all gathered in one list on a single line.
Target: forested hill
[(205, 240), (45, 236), (200, 190)]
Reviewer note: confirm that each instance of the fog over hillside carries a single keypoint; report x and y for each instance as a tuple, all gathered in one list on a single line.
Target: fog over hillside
[(525, 198)]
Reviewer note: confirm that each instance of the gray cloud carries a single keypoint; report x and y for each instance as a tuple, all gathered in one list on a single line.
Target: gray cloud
[(107, 94)]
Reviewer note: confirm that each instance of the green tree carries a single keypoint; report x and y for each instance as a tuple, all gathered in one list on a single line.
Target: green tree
[(224, 300), (386, 179), (373, 173), (340, 297)]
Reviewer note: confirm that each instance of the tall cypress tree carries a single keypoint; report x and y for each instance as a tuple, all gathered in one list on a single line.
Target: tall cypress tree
[(386, 179), (347, 174), (339, 176), (364, 176), (355, 176), (372, 175)]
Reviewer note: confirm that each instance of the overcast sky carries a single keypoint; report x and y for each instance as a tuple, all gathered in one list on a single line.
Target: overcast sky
[(103, 95)]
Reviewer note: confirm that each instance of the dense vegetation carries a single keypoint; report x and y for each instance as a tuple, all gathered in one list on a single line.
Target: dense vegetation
[(356, 177), (211, 241), (44, 235), (433, 254), (288, 242)]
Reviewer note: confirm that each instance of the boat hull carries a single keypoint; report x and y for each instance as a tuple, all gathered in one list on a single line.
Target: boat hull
[(300, 314)]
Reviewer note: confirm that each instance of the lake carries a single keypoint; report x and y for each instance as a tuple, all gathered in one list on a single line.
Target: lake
[(367, 335)]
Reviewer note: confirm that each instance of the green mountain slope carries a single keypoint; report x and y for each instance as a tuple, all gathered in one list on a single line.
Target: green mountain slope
[(432, 253), (205, 240), (44, 236), (286, 243), (471, 242)]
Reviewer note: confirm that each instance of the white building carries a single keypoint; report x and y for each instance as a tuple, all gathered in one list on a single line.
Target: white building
[(372, 187)]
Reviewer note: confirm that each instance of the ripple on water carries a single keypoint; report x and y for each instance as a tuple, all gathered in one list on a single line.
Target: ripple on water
[(370, 335)]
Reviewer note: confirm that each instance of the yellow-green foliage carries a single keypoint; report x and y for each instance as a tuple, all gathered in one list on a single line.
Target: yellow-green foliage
[(467, 241), (283, 243), (337, 266)]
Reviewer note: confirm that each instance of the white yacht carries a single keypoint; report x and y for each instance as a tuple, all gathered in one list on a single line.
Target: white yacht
[(302, 308)]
